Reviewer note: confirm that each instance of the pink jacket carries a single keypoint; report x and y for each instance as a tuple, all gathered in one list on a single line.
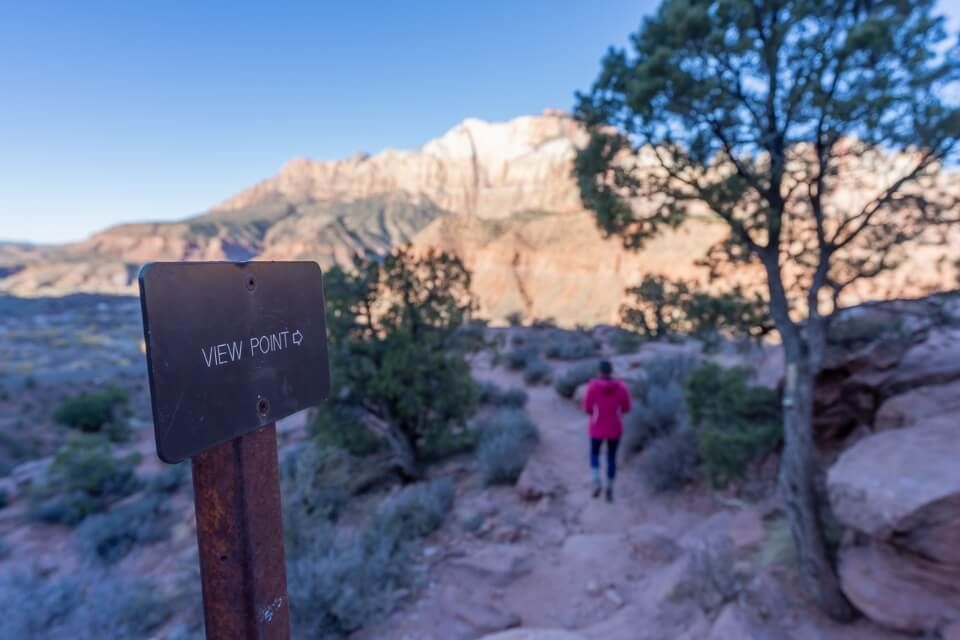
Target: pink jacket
[(607, 399)]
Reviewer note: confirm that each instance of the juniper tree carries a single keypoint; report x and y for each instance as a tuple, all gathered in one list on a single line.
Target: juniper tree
[(815, 131), (393, 326)]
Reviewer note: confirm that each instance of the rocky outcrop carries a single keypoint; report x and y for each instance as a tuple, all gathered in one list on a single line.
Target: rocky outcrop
[(885, 353), (892, 377), (899, 491)]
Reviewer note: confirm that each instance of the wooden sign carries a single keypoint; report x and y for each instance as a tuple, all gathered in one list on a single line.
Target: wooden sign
[(231, 348)]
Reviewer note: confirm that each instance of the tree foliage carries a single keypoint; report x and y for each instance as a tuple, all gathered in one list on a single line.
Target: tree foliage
[(394, 330), (663, 308)]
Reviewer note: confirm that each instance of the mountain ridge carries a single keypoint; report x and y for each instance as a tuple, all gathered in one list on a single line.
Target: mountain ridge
[(499, 194)]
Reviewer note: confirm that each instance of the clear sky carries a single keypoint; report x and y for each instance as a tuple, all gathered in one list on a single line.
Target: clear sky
[(128, 111)]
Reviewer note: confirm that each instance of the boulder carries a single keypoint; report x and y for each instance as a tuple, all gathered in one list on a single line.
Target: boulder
[(484, 618), (903, 483), (501, 564), (900, 490), (653, 542), (735, 622), (917, 405), (538, 479), (899, 589)]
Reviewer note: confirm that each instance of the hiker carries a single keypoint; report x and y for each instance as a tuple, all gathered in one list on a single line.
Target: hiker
[(606, 400)]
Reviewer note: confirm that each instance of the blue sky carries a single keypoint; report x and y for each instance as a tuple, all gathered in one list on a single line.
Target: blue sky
[(131, 111), (113, 112)]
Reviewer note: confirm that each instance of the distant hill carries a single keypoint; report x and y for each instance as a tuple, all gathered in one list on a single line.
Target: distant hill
[(501, 195)]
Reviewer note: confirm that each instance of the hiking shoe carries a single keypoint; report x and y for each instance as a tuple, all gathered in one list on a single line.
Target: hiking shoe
[(596, 491), (609, 494)]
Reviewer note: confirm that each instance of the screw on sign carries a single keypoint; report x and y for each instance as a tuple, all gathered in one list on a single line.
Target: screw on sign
[(232, 348)]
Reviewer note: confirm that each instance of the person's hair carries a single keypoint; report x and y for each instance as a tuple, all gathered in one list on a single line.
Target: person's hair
[(606, 368)]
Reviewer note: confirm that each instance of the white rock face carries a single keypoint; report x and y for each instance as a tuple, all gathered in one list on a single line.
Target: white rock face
[(486, 169)]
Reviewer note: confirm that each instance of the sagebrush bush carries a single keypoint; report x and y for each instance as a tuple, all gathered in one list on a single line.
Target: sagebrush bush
[(492, 394), (537, 371), (672, 460), (507, 439), (35, 606), (736, 422), (624, 342), (570, 345), (84, 478), (660, 412), (111, 536), (414, 511), (518, 357), (659, 405), (95, 411), (315, 487), (169, 480), (340, 583), (566, 384), (87, 605), (119, 608)]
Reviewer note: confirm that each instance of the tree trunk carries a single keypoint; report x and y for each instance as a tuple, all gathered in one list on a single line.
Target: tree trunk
[(404, 456), (798, 472)]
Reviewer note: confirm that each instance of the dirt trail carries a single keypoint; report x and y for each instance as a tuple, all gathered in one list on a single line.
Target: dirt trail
[(568, 561)]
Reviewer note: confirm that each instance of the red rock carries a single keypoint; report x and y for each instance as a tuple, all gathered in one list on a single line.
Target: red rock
[(899, 589)]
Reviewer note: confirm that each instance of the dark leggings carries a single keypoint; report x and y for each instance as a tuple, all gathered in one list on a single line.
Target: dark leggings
[(612, 444)]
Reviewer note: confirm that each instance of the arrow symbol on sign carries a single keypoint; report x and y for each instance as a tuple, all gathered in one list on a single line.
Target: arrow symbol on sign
[(297, 337)]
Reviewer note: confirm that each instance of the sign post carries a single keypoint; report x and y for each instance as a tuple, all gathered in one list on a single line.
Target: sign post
[(231, 348)]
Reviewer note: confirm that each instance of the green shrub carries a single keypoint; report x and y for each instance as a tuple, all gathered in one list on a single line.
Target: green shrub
[(340, 426), (736, 422), (338, 584), (84, 478), (394, 329), (567, 383), (448, 442), (537, 371), (111, 536), (92, 411), (671, 461), (507, 440), (662, 308), (494, 395)]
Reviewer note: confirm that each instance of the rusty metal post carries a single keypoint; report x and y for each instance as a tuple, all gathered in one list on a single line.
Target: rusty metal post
[(240, 536)]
